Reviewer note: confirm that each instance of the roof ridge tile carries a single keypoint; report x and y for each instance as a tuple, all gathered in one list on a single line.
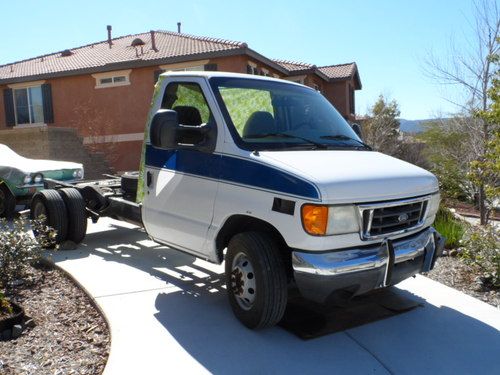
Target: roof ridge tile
[(204, 38)]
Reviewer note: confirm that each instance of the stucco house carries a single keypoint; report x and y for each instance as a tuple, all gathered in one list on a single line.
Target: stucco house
[(103, 90)]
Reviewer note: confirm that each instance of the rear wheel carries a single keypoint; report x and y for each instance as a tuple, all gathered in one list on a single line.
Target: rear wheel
[(7, 202), (49, 203), (77, 216), (256, 279)]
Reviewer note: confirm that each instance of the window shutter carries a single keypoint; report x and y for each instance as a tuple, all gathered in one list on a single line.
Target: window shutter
[(8, 102), (48, 112), (211, 67), (156, 75)]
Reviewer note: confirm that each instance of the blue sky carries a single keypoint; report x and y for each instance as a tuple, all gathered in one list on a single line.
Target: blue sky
[(388, 39)]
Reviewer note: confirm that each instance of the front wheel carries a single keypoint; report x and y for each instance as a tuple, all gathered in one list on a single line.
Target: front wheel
[(256, 279)]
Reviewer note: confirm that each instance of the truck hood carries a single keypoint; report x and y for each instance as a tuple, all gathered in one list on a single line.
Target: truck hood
[(344, 176)]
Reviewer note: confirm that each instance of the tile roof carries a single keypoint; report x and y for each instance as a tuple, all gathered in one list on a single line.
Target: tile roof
[(339, 71), (292, 66), (170, 47), (99, 55)]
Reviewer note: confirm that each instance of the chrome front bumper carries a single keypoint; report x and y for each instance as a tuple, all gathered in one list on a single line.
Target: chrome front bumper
[(360, 270)]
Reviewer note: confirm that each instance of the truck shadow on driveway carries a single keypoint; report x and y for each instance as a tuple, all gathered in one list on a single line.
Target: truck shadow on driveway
[(195, 312)]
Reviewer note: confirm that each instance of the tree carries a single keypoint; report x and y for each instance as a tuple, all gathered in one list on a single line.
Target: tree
[(485, 171), (447, 150), (381, 128), (472, 70)]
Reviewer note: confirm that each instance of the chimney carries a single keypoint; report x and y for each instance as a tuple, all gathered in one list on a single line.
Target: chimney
[(179, 27), (109, 36), (153, 41)]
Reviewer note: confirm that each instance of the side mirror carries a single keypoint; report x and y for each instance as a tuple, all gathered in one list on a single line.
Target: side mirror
[(163, 127), (357, 130), (166, 133)]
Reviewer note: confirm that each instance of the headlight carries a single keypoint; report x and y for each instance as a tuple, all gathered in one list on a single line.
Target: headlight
[(78, 173), (27, 180), (38, 178), (433, 205), (342, 219), (329, 220)]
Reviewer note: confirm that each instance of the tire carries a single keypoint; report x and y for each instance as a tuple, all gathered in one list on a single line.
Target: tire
[(50, 203), (77, 215), (128, 182), (256, 279), (7, 202)]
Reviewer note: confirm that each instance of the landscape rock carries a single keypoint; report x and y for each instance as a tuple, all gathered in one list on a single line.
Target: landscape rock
[(17, 330), (30, 323), (7, 334)]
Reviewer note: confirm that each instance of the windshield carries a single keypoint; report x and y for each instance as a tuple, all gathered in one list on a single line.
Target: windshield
[(267, 115)]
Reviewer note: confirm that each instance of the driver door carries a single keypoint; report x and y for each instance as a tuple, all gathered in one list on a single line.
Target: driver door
[(182, 184)]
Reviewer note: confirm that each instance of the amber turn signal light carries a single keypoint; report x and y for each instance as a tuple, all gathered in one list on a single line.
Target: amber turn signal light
[(315, 219)]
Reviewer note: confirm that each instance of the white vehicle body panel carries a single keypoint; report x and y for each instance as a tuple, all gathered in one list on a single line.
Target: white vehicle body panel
[(187, 210)]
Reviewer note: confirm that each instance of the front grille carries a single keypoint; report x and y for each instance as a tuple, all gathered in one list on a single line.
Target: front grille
[(381, 219)]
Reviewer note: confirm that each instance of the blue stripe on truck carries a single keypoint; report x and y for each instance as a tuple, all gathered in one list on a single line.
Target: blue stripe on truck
[(230, 169)]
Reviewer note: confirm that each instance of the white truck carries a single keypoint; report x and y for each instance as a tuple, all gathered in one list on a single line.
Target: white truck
[(265, 175)]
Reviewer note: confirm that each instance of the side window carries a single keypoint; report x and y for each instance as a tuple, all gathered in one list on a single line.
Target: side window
[(188, 101), (251, 110)]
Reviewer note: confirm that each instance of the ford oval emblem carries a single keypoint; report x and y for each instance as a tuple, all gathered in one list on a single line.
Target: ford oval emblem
[(402, 218)]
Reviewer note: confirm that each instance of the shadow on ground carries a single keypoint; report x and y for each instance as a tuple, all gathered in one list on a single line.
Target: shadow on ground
[(428, 339)]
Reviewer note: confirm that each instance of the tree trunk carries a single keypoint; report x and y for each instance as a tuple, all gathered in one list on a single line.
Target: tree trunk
[(482, 206)]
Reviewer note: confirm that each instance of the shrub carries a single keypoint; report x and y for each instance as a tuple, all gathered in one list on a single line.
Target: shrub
[(481, 248), (5, 306), (18, 248), (450, 227)]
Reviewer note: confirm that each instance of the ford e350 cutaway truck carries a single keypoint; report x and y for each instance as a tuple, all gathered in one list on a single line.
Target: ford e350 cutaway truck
[(265, 175)]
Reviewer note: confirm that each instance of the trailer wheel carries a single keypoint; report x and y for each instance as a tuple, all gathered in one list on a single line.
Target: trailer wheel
[(7, 202), (128, 182), (77, 215), (256, 279), (51, 205)]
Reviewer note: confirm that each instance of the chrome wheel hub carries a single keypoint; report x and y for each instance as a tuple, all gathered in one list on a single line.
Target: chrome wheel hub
[(243, 284)]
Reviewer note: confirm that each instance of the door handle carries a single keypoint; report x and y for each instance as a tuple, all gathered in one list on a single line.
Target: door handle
[(149, 179)]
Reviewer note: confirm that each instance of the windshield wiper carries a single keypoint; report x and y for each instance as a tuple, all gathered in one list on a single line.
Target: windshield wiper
[(342, 137), (286, 135)]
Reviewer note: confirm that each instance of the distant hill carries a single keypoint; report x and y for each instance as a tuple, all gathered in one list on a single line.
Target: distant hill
[(414, 126)]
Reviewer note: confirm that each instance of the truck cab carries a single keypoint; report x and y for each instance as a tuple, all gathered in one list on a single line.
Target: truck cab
[(267, 176)]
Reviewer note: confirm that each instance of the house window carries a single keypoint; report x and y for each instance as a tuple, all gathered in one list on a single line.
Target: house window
[(252, 68), (28, 105), (112, 79), (297, 79), (196, 68)]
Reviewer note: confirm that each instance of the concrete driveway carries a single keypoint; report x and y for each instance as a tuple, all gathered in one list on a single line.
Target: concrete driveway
[(169, 314)]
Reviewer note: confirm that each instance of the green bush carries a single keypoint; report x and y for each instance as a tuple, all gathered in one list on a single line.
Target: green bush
[(481, 248), (18, 248), (5, 306), (450, 227)]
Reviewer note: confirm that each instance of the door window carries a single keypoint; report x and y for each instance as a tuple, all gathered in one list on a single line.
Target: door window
[(187, 99)]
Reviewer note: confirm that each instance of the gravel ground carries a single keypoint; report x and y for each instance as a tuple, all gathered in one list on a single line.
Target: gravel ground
[(69, 336), (453, 272)]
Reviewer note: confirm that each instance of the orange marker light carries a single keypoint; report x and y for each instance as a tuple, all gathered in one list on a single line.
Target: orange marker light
[(315, 219)]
